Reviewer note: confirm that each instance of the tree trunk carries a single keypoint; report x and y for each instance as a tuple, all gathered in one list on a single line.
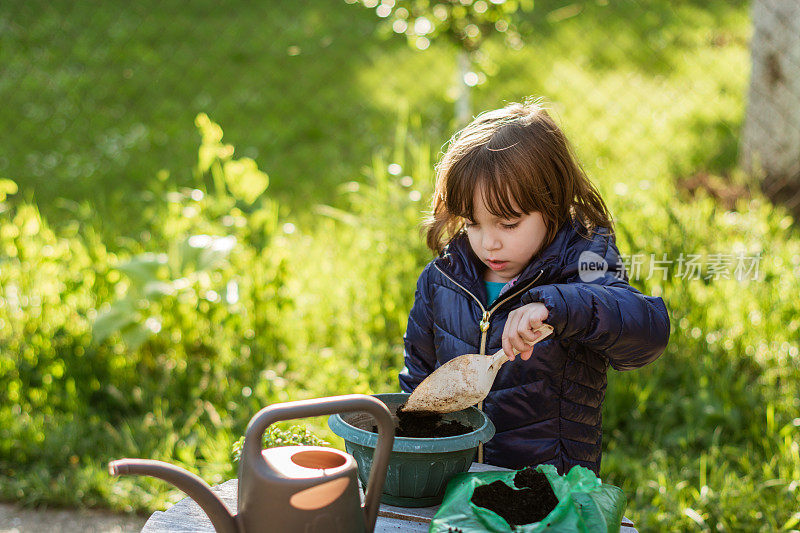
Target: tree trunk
[(770, 142)]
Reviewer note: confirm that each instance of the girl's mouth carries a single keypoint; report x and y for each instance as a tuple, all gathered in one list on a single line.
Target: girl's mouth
[(496, 265)]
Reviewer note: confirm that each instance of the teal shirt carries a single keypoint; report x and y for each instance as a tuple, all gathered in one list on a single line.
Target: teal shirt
[(493, 289)]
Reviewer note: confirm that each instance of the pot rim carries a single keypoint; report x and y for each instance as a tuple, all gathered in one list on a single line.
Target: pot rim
[(412, 444)]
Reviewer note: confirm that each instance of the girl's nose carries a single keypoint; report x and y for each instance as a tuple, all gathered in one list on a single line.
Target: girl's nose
[(490, 241)]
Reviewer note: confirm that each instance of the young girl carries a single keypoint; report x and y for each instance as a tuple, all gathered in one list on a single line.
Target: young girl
[(515, 222)]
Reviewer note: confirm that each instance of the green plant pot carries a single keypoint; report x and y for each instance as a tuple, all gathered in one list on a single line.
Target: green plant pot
[(419, 469)]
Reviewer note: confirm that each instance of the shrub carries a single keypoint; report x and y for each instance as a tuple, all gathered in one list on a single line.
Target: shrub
[(186, 323), (275, 437)]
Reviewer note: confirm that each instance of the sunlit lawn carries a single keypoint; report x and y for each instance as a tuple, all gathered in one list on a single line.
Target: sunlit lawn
[(99, 99)]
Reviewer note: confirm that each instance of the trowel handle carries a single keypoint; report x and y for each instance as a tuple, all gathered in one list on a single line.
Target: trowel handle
[(500, 355), (349, 403)]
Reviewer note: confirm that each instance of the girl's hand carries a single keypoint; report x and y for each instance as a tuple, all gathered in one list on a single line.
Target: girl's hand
[(519, 332)]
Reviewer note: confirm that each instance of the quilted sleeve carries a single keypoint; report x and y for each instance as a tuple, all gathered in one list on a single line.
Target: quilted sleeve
[(419, 349), (607, 315)]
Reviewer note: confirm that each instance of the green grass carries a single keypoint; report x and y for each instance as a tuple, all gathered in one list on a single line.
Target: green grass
[(99, 100)]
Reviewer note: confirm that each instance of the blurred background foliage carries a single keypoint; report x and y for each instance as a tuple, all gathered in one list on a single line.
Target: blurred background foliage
[(158, 284)]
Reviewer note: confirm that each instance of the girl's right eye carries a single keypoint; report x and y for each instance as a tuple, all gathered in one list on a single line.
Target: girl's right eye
[(469, 224)]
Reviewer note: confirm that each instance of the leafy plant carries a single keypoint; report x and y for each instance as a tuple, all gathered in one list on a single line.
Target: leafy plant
[(182, 273), (186, 270), (7, 187), (465, 24), (274, 437), (240, 177)]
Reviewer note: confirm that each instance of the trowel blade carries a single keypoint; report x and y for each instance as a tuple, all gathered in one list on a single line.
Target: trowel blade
[(459, 383)]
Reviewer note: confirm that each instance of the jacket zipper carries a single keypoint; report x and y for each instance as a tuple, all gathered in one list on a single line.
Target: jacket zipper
[(484, 324), (487, 313)]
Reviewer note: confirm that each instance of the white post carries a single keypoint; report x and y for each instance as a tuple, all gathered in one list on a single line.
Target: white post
[(770, 141), (463, 104)]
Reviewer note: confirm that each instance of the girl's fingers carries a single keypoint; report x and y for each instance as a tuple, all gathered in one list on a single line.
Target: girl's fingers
[(534, 321), (509, 332), (519, 344), (519, 333), (513, 322), (508, 348), (527, 334), (529, 343)]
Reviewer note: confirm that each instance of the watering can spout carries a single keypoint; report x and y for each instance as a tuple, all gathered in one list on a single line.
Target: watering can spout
[(194, 487)]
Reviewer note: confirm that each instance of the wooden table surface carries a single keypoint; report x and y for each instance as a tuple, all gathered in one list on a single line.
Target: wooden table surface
[(186, 516)]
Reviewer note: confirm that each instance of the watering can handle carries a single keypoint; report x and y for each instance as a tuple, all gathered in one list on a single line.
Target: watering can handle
[(329, 406)]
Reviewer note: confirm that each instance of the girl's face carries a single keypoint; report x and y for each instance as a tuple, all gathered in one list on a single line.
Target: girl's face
[(505, 246)]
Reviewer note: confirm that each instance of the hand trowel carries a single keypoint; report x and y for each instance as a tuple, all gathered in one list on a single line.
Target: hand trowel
[(461, 382)]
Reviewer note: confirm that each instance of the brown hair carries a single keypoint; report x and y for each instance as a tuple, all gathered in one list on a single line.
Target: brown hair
[(523, 163)]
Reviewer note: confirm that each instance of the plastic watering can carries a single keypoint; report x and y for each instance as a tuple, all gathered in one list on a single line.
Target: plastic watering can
[(290, 488)]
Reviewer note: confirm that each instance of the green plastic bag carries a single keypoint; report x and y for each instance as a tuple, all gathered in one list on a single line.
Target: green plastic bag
[(585, 504)]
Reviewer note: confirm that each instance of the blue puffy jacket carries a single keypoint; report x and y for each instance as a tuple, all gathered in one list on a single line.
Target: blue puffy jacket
[(546, 409)]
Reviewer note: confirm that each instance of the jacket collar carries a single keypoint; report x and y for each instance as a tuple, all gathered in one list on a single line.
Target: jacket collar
[(460, 262)]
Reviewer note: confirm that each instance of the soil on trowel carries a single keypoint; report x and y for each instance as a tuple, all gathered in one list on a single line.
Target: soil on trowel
[(426, 425), (523, 506)]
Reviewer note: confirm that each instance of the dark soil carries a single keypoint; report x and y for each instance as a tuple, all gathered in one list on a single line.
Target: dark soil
[(426, 425), (528, 478), (523, 506)]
